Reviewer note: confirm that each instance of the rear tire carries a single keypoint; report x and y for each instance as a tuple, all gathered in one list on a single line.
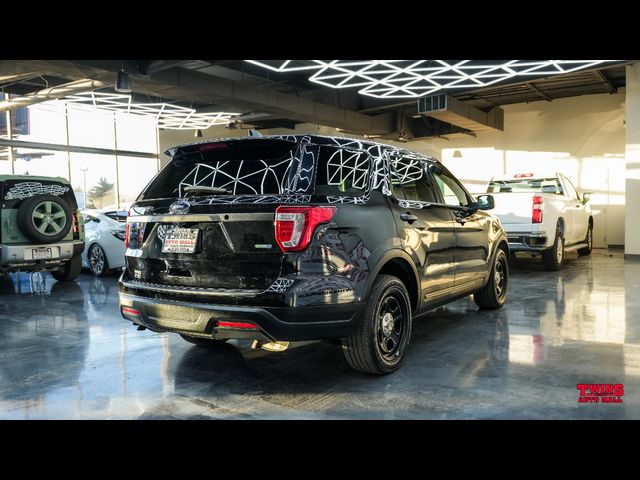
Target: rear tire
[(494, 294), (379, 343), (70, 271), (204, 342), (552, 258), (589, 240)]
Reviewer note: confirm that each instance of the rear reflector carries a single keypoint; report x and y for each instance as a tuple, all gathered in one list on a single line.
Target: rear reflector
[(536, 212), (130, 311), (239, 325), (295, 225)]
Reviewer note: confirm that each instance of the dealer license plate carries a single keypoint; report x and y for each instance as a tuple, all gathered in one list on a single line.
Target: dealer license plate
[(181, 240), (40, 253)]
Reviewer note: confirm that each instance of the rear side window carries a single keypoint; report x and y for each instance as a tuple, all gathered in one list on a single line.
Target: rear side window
[(261, 167), (410, 182), (342, 172)]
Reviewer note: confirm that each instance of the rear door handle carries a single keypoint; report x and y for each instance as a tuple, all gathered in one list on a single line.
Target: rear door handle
[(408, 217)]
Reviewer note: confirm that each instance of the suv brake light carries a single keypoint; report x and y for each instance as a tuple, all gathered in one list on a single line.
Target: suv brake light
[(536, 212), (295, 225)]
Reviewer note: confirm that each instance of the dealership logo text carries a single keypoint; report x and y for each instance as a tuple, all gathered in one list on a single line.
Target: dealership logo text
[(600, 392)]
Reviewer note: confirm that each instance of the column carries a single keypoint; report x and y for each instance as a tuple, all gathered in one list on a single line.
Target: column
[(632, 184)]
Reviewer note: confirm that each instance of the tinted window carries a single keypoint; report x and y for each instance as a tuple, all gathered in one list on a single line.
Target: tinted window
[(410, 182), (526, 185), (261, 167), (452, 192)]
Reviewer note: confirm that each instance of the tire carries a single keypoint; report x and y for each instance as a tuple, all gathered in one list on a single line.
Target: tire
[(204, 342), (377, 345), (589, 240), (494, 294), (552, 258), (45, 218), (98, 263), (70, 270)]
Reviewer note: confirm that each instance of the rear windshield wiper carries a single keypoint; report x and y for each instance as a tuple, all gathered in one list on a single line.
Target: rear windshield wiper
[(206, 189)]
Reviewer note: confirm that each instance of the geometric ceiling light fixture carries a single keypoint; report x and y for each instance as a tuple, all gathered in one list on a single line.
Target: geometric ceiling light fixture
[(417, 78), (166, 115)]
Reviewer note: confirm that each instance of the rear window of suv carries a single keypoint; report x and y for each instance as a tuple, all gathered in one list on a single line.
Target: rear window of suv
[(261, 167)]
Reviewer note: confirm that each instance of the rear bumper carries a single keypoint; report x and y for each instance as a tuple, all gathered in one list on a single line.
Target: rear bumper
[(20, 256), (272, 323), (527, 241)]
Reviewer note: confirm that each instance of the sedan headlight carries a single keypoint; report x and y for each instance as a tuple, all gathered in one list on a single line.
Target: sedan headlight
[(119, 234)]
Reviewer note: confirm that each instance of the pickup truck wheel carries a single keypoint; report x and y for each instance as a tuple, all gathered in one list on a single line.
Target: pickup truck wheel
[(589, 241), (494, 293), (204, 342), (552, 258), (380, 342), (70, 270)]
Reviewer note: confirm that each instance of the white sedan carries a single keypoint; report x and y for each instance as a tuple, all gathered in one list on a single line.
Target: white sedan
[(104, 240)]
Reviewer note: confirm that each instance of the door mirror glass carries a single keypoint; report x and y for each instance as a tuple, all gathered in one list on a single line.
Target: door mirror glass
[(586, 197), (485, 202)]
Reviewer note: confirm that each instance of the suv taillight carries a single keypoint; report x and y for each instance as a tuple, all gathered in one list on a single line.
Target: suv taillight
[(295, 225), (536, 212), (76, 224)]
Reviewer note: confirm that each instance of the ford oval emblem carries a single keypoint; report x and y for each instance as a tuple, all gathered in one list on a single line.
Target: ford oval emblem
[(180, 206)]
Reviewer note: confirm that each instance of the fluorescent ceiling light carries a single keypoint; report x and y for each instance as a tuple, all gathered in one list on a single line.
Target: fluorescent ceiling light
[(166, 115), (416, 78)]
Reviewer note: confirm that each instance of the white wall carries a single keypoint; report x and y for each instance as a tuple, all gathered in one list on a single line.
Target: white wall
[(582, 137)]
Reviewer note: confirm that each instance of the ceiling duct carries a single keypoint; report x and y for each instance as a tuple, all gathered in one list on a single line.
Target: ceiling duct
[(451, 110)]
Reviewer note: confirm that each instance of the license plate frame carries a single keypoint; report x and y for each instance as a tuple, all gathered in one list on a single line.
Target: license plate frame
[(41, 253), (181, 240)]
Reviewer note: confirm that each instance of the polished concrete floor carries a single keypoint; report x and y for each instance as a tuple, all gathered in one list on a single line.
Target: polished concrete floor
[(65, 352)]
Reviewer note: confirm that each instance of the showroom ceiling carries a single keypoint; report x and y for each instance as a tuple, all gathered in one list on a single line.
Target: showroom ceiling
[(372, 97)]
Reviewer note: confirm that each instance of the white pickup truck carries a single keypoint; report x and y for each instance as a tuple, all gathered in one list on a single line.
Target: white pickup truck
[(543, 216)]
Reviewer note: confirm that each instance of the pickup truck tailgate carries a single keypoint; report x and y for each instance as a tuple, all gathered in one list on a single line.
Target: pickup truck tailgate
[(513, 208)]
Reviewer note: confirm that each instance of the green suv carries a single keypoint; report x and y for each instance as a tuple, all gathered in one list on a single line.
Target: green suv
[(40, 226)]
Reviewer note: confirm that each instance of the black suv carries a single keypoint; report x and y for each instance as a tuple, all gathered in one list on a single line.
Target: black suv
[(289, 238)]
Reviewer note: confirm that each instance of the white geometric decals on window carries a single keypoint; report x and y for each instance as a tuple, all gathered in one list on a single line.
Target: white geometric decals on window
[(344, 166), (405, 166), (303, 165), (255, 177), (24, 190), (416, 78), (406, 170)]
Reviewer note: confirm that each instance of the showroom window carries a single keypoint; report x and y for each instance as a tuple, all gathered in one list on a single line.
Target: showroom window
[(108, 157)]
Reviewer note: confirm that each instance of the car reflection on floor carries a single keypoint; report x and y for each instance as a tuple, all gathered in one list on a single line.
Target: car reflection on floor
[(46, 350), (67, 353)]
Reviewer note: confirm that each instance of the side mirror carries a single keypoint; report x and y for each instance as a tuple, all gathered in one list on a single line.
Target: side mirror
[(586, 197), (485, 202)]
